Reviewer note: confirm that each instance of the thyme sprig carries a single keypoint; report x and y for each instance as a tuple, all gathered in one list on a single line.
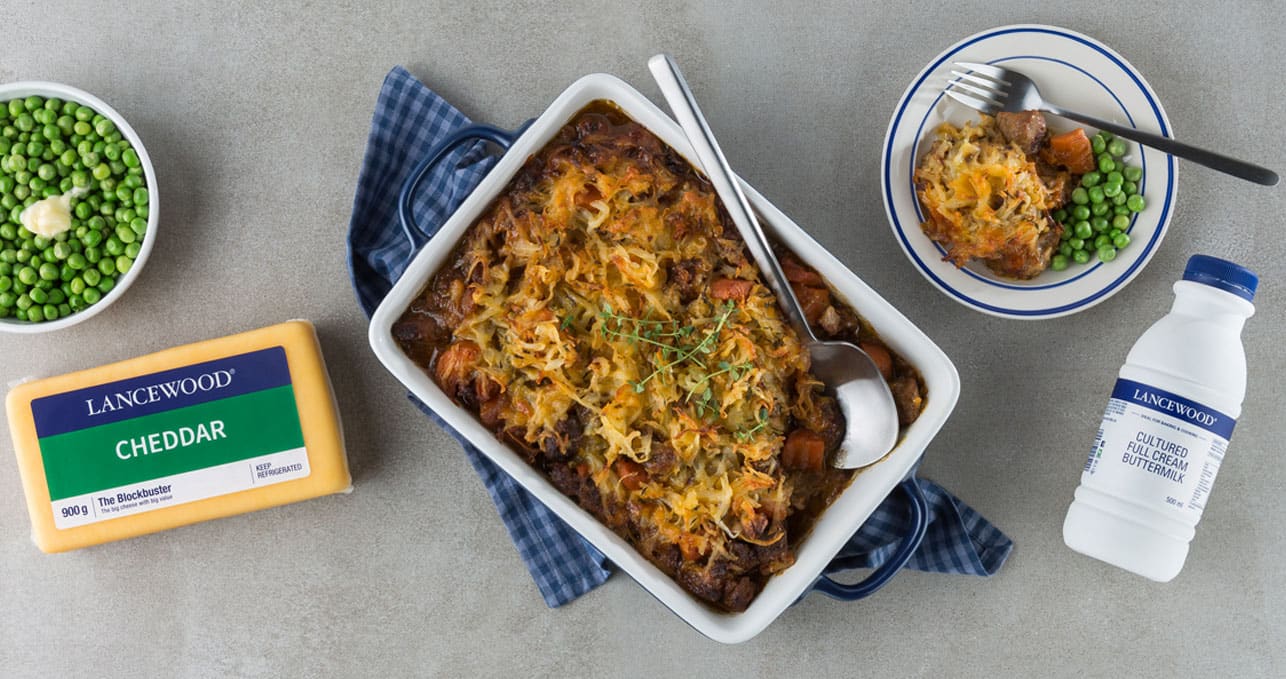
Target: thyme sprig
[(671, 337)]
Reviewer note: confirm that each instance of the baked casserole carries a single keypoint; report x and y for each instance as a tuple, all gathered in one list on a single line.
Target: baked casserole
[(603, 318)]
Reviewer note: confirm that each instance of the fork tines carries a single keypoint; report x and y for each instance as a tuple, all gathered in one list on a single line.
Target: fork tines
[(985, 81)]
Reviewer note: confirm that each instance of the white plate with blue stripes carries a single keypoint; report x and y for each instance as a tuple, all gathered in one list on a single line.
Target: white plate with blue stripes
[(1074, 71)]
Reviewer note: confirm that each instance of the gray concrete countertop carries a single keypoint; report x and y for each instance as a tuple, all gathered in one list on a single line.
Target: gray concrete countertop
[(256, 117)]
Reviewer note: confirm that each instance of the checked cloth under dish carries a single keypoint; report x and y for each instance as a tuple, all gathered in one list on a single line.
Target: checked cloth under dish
[(409, 120)]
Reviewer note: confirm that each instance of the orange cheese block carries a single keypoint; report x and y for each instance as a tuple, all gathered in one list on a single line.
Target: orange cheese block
[(193, 433)]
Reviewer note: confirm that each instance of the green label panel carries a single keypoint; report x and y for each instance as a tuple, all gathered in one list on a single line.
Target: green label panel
[(171, 442)]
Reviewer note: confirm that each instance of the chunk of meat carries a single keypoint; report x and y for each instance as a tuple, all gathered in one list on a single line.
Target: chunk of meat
[(687, 276), (804, 451), (632, 474), (880, 355), (1024, 262), (1071, 150), (492, 412), (907, 398), (830, 423), (1025, 128), (662, 461), (565, 440), (454, 369), (734, 289), (813, 301)]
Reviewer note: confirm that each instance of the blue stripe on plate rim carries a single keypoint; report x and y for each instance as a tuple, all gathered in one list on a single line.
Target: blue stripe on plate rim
[(915, 150), (1030, 313)]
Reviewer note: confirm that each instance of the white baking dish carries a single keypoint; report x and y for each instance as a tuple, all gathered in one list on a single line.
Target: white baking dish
[(835, 526)]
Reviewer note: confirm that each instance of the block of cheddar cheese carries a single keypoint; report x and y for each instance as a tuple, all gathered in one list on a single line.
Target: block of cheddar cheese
[(193, 433)]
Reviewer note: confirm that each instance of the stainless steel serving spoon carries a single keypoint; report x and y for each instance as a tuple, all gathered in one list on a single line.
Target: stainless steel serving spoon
[(870, 416)]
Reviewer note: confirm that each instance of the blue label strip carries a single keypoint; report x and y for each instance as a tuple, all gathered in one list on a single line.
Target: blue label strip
[(1175, 406), (161, 391)]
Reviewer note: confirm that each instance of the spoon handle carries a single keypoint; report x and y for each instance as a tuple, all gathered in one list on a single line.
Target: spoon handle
[(1215, 161), (684, 105)]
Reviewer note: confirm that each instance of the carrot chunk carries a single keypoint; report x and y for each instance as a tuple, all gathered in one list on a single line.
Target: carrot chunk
[(804, 450), (632, 474), (730, 288), (881, 356), (1071, 150)]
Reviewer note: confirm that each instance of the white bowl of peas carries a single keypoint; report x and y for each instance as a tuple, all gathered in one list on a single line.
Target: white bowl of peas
[(78, 206)]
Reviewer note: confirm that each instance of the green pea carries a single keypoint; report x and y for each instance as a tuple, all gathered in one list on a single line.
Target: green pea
[(1132, 173), (76, 302), (1096, 194), (1080, 213), (84, 113), (1065, 250), (1066, 233), (62, 250), (77, 261), (1121, 222), (38, 296), (15, 108), (1116, 147), (104, 127), (1059, 262), (1100, 209), (1098, 144), (28, 275), (1099, 224), (1135, 203), (1111, 190), (1106, 164), (6, 283), (139, 225), (130, 158), (1080, 196), (76, 285), (105, 286), (92, 255), (1129, 188), (101, 171), (107, 266), (140, 196), (91, 295), (114, 246), (1082, 229), (118, 168), (125, 234), (92, 277), (1091, 178), (1077, 243), (1081, 256), (8, 299), (123, 264), (24, 122), (133, 181), (48, 271), (1102, 241), (1119, 199), (133, 249), (1121, 240), (1106, 253)]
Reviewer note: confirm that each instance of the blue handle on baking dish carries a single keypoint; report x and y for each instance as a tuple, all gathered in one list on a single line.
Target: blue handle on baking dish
[(472, 133), (919, 524)]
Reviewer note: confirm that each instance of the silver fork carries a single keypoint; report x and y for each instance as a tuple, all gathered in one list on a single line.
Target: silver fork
[(1001, 89)]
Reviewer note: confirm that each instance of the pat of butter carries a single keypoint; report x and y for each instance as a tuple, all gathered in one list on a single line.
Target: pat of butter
[(49, 217), (198, 432)]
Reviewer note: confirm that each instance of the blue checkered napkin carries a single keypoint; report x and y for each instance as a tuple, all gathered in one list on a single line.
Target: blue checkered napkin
[(409, 119)]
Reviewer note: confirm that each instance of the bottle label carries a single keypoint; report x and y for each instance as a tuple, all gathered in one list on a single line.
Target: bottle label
[(1158, 448)]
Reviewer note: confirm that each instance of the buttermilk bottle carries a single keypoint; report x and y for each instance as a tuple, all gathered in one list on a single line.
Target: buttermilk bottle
[(1167, 426)]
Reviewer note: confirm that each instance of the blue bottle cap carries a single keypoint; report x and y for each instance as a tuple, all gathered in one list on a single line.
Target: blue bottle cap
[(1222, 274)]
